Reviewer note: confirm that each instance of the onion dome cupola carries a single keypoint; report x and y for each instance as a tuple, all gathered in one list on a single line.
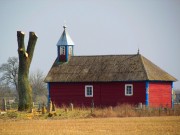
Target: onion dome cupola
[(65, 47)]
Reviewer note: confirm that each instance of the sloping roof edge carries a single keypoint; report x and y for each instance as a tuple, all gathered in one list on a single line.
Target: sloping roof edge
[(153, 75), (149, 70), (143, 66), (65, 39)]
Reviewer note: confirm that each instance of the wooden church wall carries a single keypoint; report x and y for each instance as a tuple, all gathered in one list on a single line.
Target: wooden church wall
[(104, 93), (160, 94)]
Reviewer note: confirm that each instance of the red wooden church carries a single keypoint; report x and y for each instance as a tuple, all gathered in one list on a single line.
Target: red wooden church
[(107, 80)]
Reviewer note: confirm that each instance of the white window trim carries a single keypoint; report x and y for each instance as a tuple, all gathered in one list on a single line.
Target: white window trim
[(126, 85), (86, 86)]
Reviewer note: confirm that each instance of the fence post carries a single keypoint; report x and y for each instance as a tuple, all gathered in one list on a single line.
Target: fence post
[(39, 107), (53, 107), (71, 106), (4, 105), (66, 110), (50, 106), (159, 111), (140, 105), (43, 109), (92, 106)]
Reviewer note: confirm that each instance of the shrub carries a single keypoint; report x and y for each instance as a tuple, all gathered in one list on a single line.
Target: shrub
[(12, 114)]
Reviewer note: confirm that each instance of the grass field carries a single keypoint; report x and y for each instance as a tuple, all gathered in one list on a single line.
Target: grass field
[(165, 125)]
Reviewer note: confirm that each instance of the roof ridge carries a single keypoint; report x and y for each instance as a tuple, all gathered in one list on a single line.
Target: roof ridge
[(104, 55), (143, 66)]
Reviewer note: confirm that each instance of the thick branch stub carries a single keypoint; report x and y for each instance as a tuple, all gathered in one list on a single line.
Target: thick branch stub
[(26, 54), (31, 44), (31, 33), (20, 39), (21, 49), (21, 32)]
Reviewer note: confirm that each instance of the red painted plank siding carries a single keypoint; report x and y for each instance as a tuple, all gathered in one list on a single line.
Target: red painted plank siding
[(104, 94), (62, 58), (114, 93), (160, 94)]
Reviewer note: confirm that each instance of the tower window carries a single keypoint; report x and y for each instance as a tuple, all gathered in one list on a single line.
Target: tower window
[(62, 50), (70, 49)]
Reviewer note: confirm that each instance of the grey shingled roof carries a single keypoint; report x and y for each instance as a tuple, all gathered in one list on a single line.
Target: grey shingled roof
[(107, 68)]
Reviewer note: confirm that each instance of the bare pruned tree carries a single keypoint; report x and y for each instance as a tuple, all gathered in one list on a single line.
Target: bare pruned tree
[(9, 72), (38, 87), (25, 59)]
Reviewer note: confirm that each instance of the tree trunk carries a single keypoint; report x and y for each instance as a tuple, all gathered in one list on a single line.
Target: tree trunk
[(25, 58)]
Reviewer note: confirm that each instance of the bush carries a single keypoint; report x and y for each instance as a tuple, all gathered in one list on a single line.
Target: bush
[(12, 114)]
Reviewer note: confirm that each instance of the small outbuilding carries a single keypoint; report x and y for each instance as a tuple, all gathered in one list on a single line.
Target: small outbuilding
[(106, 80)]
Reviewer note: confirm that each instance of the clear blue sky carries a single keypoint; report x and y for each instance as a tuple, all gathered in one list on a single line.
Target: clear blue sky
[(97, 27)]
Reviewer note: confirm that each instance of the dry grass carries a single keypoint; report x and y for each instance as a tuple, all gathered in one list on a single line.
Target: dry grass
[(124, 110), (99, 126)]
